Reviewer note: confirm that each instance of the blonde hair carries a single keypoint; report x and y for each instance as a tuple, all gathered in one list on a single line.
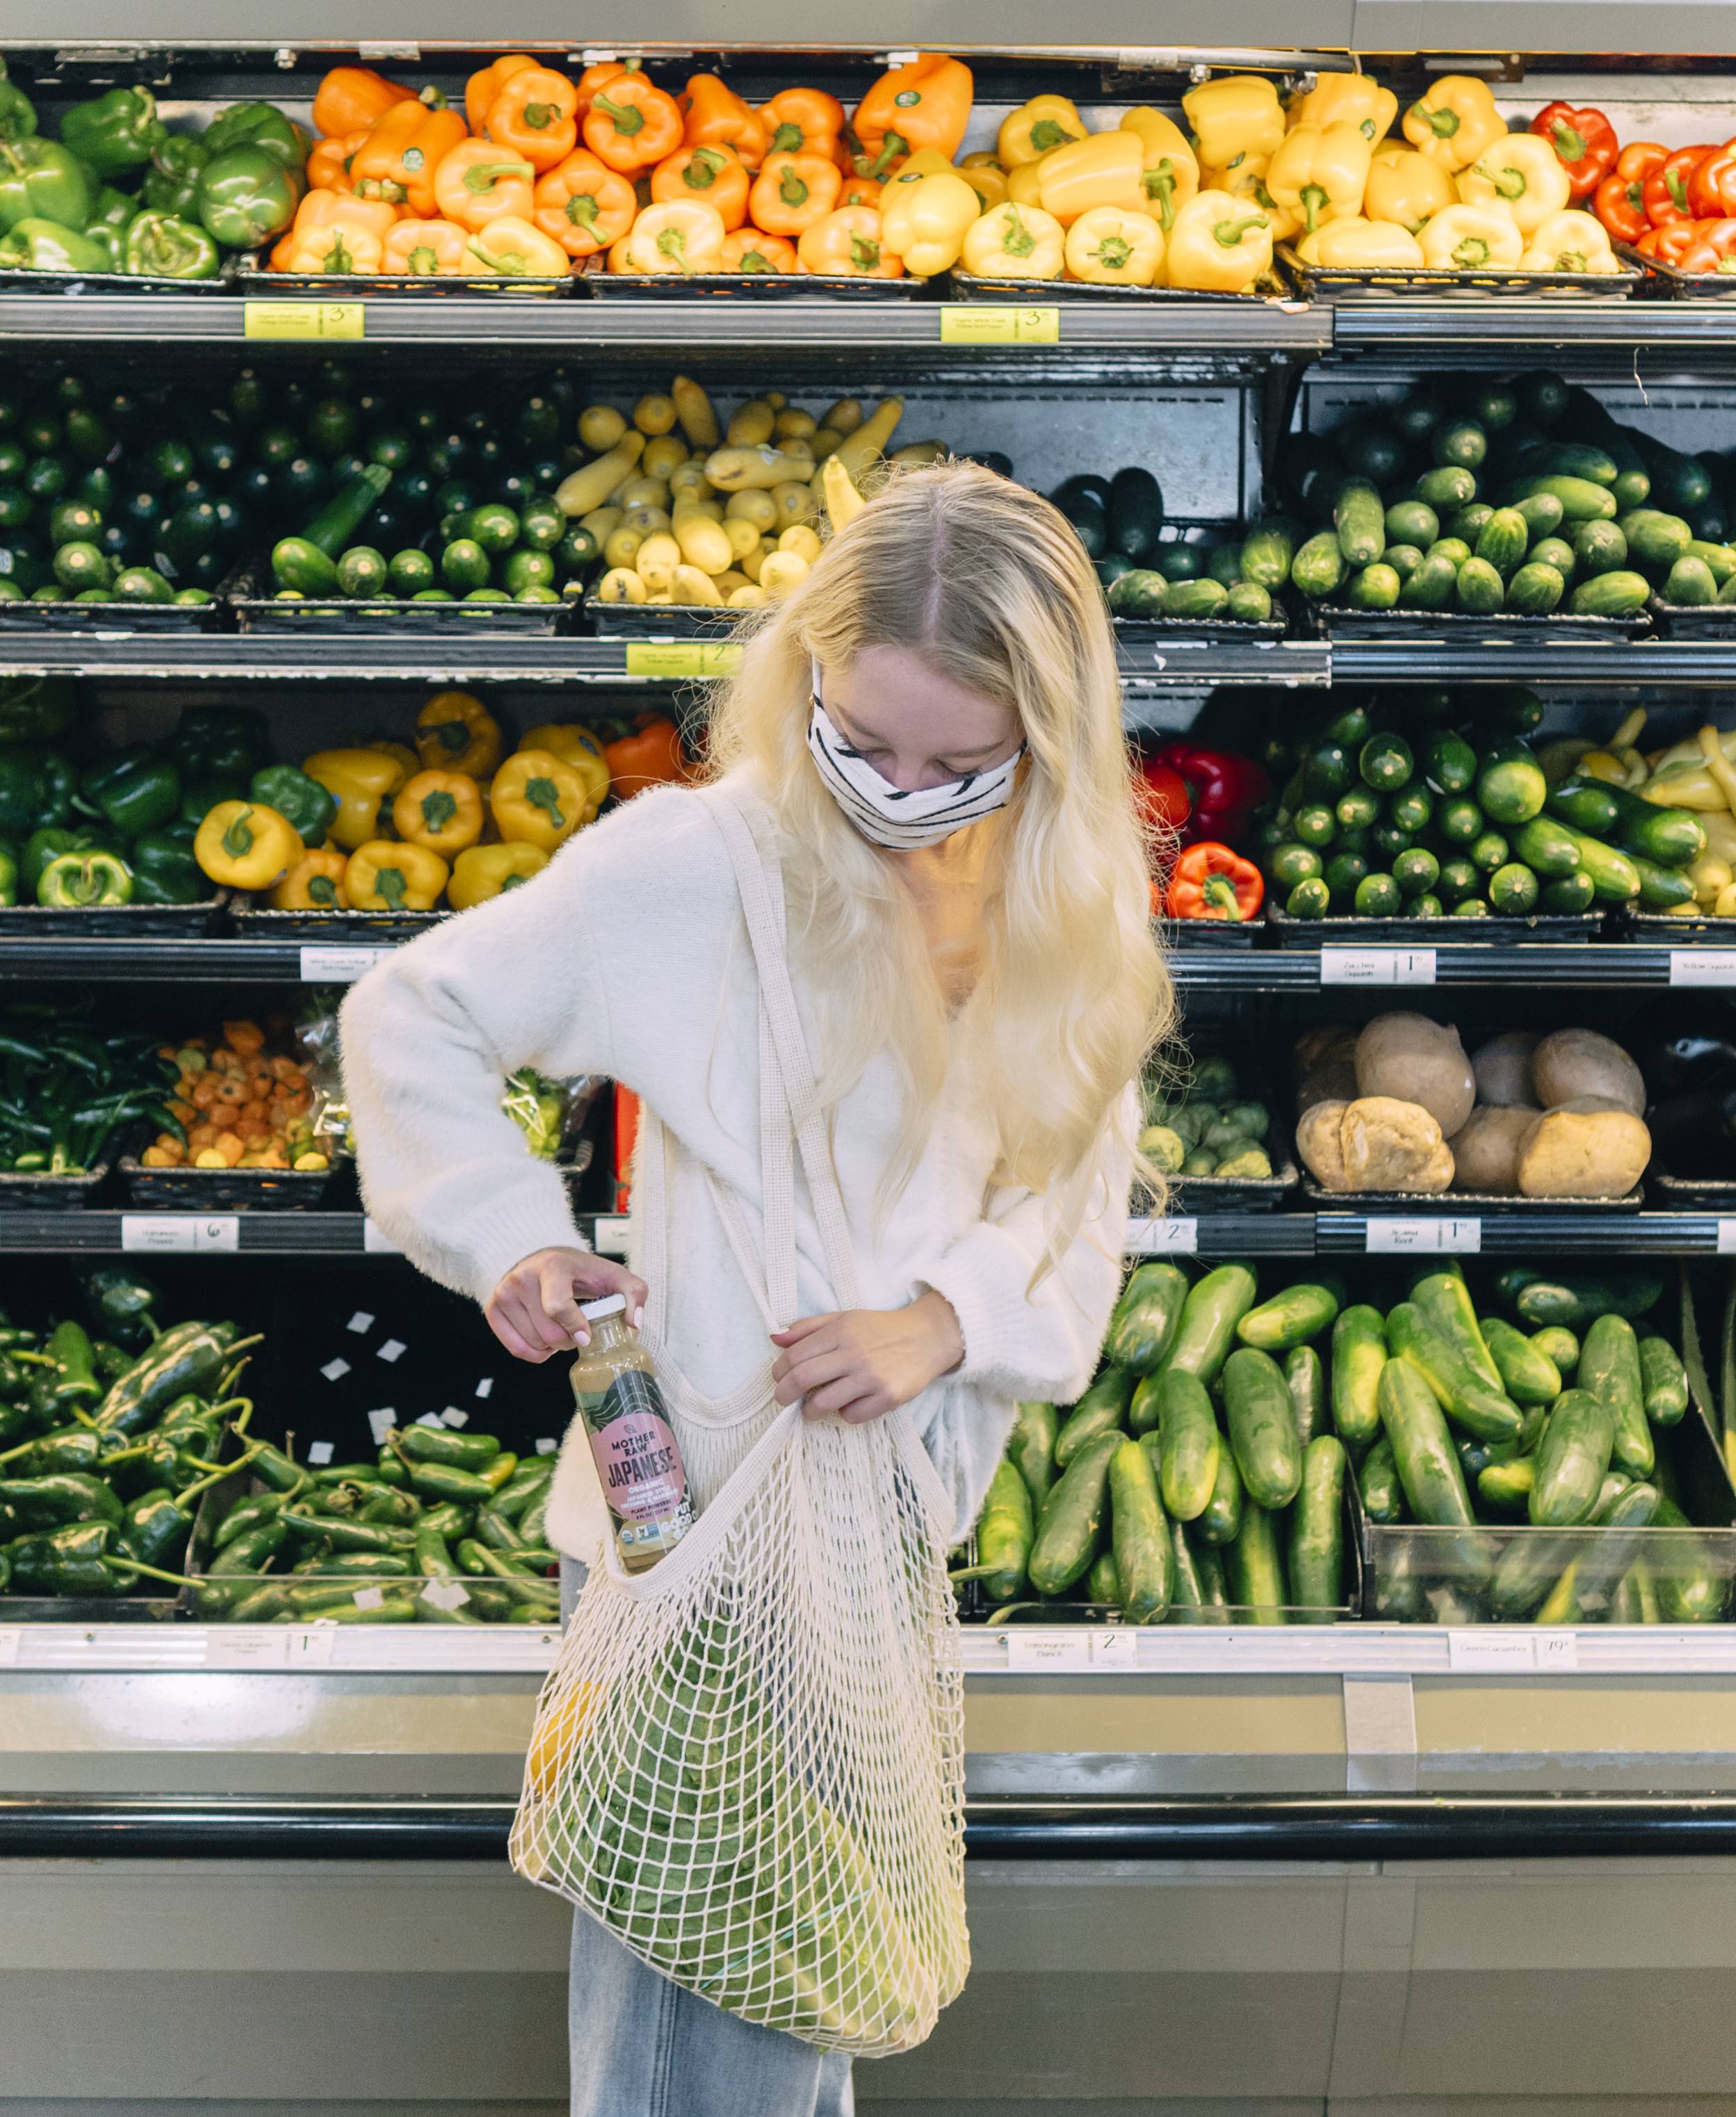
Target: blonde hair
[(990, 586)]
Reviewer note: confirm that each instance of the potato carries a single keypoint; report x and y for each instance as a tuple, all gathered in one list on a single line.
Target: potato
[(1390, 1145), (1322, 1047), (1317, 1142), (1504, 1070), (1336, 1083), (1485, 1154), (1408, 1058), (1574, 1063), (1592, 1147)]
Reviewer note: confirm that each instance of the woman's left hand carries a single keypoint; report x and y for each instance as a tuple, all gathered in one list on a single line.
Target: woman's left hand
[(860, 1363)]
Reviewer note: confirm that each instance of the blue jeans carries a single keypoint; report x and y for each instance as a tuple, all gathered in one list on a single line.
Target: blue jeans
[(643, 2046)]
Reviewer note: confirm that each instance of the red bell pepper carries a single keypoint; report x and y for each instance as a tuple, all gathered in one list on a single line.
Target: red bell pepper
[(1585, 141), (1711, 189), (1665, 190), (1210, 882), (1696, 246), (1619, 203), (1160, 795), (1225, 788)]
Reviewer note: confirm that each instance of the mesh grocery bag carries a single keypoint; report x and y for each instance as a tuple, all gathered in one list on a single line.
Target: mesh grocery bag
[(748, 1762)]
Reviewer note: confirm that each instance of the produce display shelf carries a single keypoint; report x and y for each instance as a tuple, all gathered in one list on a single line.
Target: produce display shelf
[(1475, 329), (1525, 1230), (1558, 965), (1495, 660)]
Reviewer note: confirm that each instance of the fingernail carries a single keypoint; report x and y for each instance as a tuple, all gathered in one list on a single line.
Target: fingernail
[(581, 1337), (638, 1316)]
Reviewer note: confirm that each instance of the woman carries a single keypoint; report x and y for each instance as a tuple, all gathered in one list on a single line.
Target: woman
[(927, 734)]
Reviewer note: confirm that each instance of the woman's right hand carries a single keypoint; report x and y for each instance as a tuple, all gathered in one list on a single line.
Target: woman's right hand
[(534, 1311)]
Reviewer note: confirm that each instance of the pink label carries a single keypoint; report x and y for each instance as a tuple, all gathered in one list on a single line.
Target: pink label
[(638, 1458)]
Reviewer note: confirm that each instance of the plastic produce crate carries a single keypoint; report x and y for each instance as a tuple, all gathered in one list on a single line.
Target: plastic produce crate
[(1364, 282)]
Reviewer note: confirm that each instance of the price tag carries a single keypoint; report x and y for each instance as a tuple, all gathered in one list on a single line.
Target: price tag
[(313, 1648), (246, 1647), (1046, 1651), (683, 658), (1702, 966), (447, 1594), (609, 1234), (323, 965), (548, 1446), (202, 1233), (1377, 967), (11, 1638), (1384, 1238), (1163, 1237), (1556, 1651), (998, 323), (1493, 1652), (369, 1598), (303, 320), (319, 1453), (380, 1423), (377, 1242), (1727, 1237), (1118, 1647)]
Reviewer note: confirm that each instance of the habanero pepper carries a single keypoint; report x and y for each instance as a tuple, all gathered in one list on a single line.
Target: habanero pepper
[(1665, 191), (1211, 882), (1585, 142)]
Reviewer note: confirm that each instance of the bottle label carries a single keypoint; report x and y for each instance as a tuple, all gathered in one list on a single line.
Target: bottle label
[(637, 1456)]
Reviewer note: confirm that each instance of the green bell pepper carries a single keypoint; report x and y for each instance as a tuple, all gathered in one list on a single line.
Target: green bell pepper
[(224, 743), (17, 112), (75, 880), (8, 874), (161, 245), (165, 871), (22, 794), (172, 182), (111, 208), (135, 791), (260, 125), (292, 794), (114, 131), (40, 180), (58, 781), (247, 196), (45, 245), (46, 845), (200, 796), (111, 244)]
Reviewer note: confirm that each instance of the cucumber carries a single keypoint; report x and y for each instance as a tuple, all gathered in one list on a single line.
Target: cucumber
[(1547, 846), (1449, 762), (1180, 562), (1559, 1347), (1209, 1316), (1555, 552), (1609, 1368), (1135, 513), (1573, 1458), (1445, 1299), (1535, 589), (1145, 1317), (1198, 1593), (1598, 547), (1479, 590), (1103, 1583), (1262, 1422), (1412, 522), (1138, 592), (1653, 537), (1255, 1570), (1612, 875), (1142, 1535), (1304, 1376), (1461, 442), (1568, 459), (1032, 1446), (1484, 1413), (1430, 585), (1447, 485), (1403, 560), (1506, 1486), (1359, 522), (1677, 481), (1542, 516), (1220, 1519), (1004, 1531), (1637, 1599), (1195, 599), (1102, 1409), (1317, 1531), (1581, 499), (1504, 540), (1382, 1495), (1511, 787), (1573, 1302), (1528, 1375), (1358, 1354), (1427, 1467), (1071, 1522), (1588, 1582), (1718, 560), (1142, 1413), (1248, 603), (1318, 568), (1468, 522), (1375, 588), (1610, 595), (1454, 548), (1689, 1589), (1690, 585), (1188, 1445), (1268, 551), (1665, 1380), (1529, 1565), (1289, 1318), (1223, 565)]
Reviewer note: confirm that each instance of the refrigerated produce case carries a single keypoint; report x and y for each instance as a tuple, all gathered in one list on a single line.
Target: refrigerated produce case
[(1240, 1866)]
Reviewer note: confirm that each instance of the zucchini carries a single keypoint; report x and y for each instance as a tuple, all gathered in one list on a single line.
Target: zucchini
[(1071, 1523), (1220, 1520), (1673, 837), (1484, 1412), (1102, 1409), (1479, 591), (296, 563), (1032, 1446), (1572, 1459), (1416, 872), (1677, 481), (1612, 875), (1449, 762), (1385, 764), (1528, 1375), (1382, 1495), (1188, 1445), (1504, 539), (1535, 589), (1422, 1448), (1209, 1316), (1512, 891), (1610, 595), (1145, 1317), (1255, 1570), (1142, 1535), (1609, 1368), (1317, 1529), (1662, 888), (1304, 1376), (1262, 1422), (1358, 1354), (1581, 499), (1665, 1380), (1547, 847), (1289, 1318)]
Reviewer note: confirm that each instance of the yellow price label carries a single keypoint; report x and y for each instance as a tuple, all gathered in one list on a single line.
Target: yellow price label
[(999, 323), (304, 320), (683, 658)]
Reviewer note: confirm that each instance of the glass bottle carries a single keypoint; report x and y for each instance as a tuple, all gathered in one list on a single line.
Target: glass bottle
[(638, 1458)]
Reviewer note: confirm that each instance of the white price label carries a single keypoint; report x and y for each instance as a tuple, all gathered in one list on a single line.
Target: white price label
[(1046, 1651), (485, 1387), (451, 1415), (335, 1370), (380, 1423), (393, 1348), (1493, 1652), (1726, 1238), (313, 1648), (1702, 966), (447, 1594), (12, 1638), (376, 1242), (369, 1598), (609, 1234), (1377, 967), (1557, 1651), (246, 1647), (1383, 1238), (1163, 1237), (323, 965), (203, 1233), (361, 1322), (319, 1453), (1118, 1647), (548, 1446)]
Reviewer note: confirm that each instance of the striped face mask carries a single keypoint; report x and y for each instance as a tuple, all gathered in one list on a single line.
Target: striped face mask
[(888, 816)]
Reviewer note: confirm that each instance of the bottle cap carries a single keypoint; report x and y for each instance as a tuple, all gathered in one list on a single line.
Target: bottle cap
[(610, 1305)]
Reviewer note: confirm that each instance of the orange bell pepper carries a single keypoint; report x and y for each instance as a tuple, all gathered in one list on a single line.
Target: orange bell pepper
[(517, 250), (486, 82), (631, 125), (355, 99), (714, 116), (398, 160), (651, 756), (676, 235), (426, 249), (321, 212), (329, 160), (536, 114), (803, 120), (479, 182), (861, 190), (847, 244), (583, 205), (595, 76), (924, 104), (747, 250), (792, 192), (714, 173)]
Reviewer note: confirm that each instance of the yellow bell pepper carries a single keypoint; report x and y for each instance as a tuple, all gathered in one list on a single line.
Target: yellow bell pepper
[(577, 747), (1571, 242), (245, 845), (1217, 247), (1523, 173), (1321, 175), (1103, 170), (1025, 184), (487, 871), (1015, 242), (1455, 122), (1030, 130), (1236, 116), (985, 177), (384, 875), (401, 751), (924, 220), (360, 780), (1360, 244), (1348, 98), (1246, 184), (1406, 188), (537, 800), (1169, 173), (1113, 248), (455, 732), (442, 810), (1471, 238), (314, 883)]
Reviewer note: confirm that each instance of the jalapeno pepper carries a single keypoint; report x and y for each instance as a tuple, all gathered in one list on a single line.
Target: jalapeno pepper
[(439, 1444)]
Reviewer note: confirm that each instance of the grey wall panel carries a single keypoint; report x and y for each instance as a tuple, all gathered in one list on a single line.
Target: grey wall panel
[(1661, 28)]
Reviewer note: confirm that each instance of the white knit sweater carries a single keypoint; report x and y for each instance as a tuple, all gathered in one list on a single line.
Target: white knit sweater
[(628, 956)]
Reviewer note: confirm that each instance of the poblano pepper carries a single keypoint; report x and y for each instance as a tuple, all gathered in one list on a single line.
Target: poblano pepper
[(74, 1376), (160, 1522), (61, 1496), (192, 1357), (123, 1303)]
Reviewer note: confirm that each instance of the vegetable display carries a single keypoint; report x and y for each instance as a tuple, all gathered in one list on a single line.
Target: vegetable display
[(67, 1093), (238, 1104), (1691, 782), (1211, 1128)]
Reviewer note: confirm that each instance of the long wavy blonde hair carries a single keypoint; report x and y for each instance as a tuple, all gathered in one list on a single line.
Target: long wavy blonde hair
[(990, 587)]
